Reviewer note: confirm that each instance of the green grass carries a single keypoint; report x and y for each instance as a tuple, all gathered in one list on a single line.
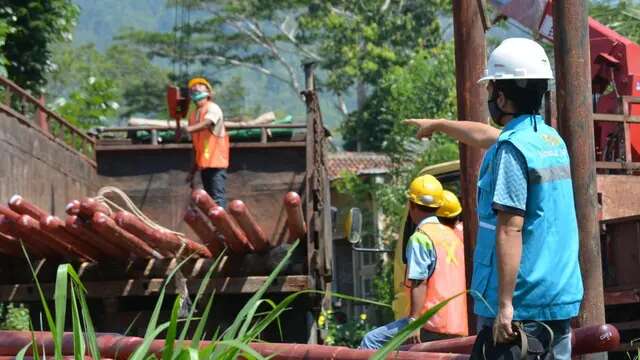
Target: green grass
[(229, 343)]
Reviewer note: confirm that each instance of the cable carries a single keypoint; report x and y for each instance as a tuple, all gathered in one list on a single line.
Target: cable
[(132, 208)]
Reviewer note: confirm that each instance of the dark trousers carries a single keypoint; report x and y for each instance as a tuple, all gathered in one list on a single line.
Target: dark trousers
[(213, 183)]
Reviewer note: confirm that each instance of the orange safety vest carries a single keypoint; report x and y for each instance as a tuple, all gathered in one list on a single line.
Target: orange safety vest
[(447, 280), (459, 230), (211, 151)]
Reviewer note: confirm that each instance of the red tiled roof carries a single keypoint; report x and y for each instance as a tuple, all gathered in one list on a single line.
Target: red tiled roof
[(357, 162)]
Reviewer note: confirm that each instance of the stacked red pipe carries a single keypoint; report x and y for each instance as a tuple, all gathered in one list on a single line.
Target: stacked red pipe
[(586, 340), (89, 233), (237, 228)]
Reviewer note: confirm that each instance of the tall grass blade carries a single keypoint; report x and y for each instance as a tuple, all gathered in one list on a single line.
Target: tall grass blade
[(240, 346), (284, 304), (78, 337), (232, 331), (35, 351), (60, 303), (143, 349), (203, 286), (197, 335), (153, 321), (23, 351), (404, 334), (169, 343), (45, 307)]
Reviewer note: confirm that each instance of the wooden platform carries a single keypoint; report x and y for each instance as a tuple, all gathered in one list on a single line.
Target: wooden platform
[(150, 287)]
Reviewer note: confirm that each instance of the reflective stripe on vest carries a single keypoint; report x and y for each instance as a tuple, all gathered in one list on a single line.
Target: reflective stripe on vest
[(211, 151), (550, 233), (447, 280)]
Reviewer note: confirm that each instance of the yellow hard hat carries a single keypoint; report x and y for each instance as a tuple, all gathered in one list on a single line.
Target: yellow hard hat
[(200, 80), (450, 206), (426, 190)]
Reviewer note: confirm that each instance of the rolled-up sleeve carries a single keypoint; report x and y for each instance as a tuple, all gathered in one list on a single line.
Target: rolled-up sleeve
[(511, 179), (421, 257)]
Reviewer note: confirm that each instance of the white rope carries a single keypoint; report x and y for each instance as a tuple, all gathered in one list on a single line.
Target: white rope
[(180, 280), (133, 209)]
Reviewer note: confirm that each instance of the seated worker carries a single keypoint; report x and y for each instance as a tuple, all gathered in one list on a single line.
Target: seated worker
[(434, 271), (210, 140), (449, 213)]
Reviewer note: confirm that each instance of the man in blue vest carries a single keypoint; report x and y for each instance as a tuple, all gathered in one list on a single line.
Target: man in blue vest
[(526, 258)]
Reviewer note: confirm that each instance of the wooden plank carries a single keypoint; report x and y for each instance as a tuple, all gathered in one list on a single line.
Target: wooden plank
[(631, 296), (151, 287), (613, 165), (608, 117), (279, 144)]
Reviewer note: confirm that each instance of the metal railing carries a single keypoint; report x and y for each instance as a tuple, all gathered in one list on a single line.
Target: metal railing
[(617, 155), (153, 130), (32, 112)]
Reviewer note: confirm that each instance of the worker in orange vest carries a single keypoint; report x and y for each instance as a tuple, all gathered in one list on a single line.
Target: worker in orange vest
[(434, 271), (210, 140), (449, 213)]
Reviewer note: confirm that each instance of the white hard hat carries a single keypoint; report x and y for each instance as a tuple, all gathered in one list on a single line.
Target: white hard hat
[(518, 58)]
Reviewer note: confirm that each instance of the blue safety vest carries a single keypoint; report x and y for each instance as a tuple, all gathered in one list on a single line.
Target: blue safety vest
[(549, 284)]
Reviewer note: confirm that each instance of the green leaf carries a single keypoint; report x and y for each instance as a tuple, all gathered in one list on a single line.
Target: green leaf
[(203, 286), (78, 338), (169, 344), (45, 307), (197, 335), (60, 302), (404, 334)]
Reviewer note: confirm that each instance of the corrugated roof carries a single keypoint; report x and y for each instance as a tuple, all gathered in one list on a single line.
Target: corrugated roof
[(357, 162)]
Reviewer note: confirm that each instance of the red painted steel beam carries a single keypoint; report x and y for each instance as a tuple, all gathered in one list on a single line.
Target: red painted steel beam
[(90, 206), (108, 228), (318, 352), (201, 226), (121, 347), (203, 201), (18, 204), (234, 237), (57, 229), (295, 218), (469, 39), (247, 222), (132, 224), (83, 231), (585, 340)]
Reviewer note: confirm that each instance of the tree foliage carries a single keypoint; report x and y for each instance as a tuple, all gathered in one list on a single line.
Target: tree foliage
[(361, 40), (352, 41), (622, 16), (425, 87), (35, 26), (96, 88)]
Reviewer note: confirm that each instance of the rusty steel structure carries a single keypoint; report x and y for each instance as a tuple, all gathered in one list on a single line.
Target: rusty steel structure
[(123, 257), (575, 122), (470, 57)]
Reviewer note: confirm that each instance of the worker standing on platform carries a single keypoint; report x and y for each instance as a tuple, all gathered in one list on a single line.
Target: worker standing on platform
[(210, 140), (434, 271), (526, 258), (449, 213)]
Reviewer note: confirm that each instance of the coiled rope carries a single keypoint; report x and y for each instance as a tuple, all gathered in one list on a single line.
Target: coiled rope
[(179, 278)]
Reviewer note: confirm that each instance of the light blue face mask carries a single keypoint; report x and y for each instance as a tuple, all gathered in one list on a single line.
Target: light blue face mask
[(198, 95)]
